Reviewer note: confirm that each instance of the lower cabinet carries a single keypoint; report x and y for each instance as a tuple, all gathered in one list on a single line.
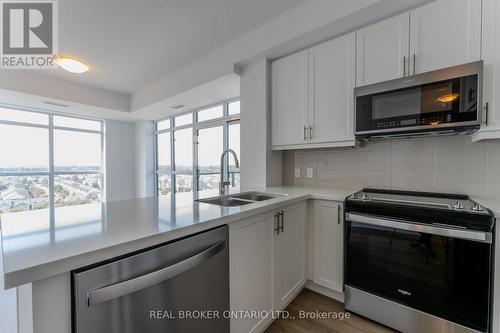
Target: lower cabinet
[(290, 254), (267, 263), (251, 270), (328, 245), (268, 259)]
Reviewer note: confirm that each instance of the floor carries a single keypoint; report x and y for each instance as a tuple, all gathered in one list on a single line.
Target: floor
[(309, 302)]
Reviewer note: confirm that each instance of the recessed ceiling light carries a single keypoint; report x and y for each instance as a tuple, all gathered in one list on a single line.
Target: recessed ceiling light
[(72, 65), (56, 104), (177, 106)]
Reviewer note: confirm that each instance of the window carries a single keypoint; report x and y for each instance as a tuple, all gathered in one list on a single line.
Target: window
[(48, 161), (189, 146), (211, 113)]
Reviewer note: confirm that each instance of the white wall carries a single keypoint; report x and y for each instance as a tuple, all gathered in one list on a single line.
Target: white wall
[(50, 88), (444, 164), (144, 159), (259, 166), (120, 160), (8, 304)]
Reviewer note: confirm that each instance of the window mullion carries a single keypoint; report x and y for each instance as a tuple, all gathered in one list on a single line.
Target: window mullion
[(195, 163), (173, 168), (51, 178)]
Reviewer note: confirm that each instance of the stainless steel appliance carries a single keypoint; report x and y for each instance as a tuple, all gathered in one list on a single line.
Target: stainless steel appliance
[(419, 262), (446, 101), (157, 289)]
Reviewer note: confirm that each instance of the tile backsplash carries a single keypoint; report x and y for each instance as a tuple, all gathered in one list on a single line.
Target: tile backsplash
[(443, 164)]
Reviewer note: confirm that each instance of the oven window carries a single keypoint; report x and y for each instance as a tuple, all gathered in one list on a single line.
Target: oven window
[(443, 276)]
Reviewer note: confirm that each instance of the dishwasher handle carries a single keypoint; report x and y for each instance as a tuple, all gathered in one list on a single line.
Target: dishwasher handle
[(113, 291)]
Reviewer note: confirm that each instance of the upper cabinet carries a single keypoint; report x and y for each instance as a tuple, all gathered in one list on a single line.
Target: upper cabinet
[(440, 34), (490, 129), (312, 96), (313, 90), (445, 33), (382, 50), (290, 99), (331, 88)]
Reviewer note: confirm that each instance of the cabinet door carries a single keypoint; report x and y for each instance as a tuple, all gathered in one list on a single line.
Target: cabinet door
[(491, 56), (290, 255), (331, 86), (328, 248), (445, 33), (251, 265), (289, 99), (382, 50)]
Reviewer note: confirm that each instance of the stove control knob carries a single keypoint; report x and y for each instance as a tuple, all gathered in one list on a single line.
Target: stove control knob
[(458, 205), (477, 207), (364, 197), (354, 196)]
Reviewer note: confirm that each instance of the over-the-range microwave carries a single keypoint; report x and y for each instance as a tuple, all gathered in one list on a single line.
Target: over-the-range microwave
[(441, 102)]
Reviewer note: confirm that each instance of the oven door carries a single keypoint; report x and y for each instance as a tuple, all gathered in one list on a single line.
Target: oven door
[(440, 271)]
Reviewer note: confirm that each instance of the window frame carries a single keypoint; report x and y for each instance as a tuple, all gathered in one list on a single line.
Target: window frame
[(196, 125), (52, 173)]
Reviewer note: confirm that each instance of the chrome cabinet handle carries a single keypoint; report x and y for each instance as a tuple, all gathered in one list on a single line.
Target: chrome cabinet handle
[(404, 66), (476, 236), (277, 218), (414, 61), (116, 290), (280, 225), (310, 132), (305, 131)]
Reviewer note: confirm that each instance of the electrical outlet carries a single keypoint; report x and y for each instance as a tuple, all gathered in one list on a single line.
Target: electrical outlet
[(309, 172), (297, 173)]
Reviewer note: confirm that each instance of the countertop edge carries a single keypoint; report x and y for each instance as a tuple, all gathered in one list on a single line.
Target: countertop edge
[(65, 265)]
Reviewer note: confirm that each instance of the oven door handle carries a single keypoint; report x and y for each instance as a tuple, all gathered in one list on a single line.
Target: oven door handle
[(113, 291), (476, 236)]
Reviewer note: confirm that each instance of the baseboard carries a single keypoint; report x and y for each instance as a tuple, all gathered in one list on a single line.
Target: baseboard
[(325, 291)]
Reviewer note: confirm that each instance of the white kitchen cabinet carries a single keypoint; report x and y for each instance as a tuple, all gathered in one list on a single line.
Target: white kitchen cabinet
[(331, 88), (440, 34), (290, 99), (445, 33), (328, 244), (382, 50), (312, 96), (251, 269), (290, 255), (267, 268), (490, 129)]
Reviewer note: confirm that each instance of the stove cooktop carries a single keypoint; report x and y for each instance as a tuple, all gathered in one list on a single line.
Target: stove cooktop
[(424, 207)]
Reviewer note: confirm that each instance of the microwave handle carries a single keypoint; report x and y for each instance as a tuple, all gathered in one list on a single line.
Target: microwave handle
[(486, 113), (126, 287), (476, 236)]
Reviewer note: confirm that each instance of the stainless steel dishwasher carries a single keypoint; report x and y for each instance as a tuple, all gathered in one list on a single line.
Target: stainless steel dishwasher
[(177, 287)]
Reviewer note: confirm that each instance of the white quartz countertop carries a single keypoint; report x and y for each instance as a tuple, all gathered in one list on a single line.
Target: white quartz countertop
[(36, 246)]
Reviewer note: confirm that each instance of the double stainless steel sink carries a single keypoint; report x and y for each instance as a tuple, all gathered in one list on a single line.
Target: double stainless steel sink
[(239, 199)]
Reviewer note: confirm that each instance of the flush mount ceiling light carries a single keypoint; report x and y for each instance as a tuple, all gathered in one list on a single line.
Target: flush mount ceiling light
[(72, 65)]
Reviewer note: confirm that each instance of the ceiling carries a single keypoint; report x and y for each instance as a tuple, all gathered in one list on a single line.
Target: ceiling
[(131, 43)]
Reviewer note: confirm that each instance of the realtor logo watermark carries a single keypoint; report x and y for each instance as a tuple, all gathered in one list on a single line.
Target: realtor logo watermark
[(29, 34)]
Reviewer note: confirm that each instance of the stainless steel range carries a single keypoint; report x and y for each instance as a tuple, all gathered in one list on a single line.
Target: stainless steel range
[(419, 262)]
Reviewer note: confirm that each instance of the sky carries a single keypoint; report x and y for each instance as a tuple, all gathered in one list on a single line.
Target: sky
[(29, 147)]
